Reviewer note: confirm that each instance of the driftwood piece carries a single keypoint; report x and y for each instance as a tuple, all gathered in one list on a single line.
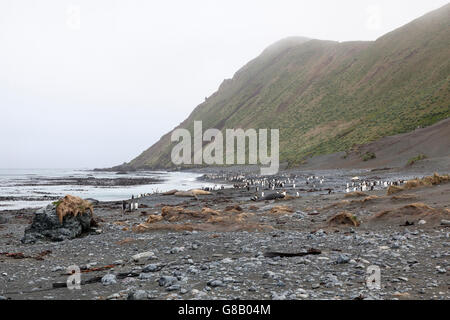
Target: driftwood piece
[(98, 279), (20, 255), (311, 251)]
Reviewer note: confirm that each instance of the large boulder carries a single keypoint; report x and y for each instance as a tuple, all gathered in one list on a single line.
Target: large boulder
[(65, 219)]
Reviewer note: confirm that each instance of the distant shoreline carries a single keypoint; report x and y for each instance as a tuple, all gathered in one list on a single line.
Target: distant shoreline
[(31, 191)]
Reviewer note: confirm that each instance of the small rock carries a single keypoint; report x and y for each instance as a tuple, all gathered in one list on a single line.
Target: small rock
[(174, 287), (330, 281), (280, 283), (342, 258), (177, 250), (151, 268), (192, 270), (178, 274), (109, 279), (167, 281), (441, 270), (145, 276), (143, 255), (57, 268), (114, 296), (228, 279), (138, 295), (215, 283), (198, 293), (276, 296), (395, 245)]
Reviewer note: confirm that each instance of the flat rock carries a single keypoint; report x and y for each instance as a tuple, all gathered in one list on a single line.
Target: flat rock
[(143, 256)]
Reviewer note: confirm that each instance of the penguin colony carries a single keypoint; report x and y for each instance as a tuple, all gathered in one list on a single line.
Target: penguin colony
[(269, 188)]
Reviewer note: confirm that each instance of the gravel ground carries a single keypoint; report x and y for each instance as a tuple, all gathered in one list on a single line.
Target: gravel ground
[(413, 260)]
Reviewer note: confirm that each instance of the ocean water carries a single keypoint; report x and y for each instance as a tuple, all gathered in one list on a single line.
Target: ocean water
[(13, 183)]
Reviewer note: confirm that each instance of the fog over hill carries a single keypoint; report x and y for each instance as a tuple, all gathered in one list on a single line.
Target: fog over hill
[(328, 96)]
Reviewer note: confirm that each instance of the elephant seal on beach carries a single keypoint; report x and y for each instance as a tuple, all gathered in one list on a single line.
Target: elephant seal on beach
[(170, 193), (192, 193), (272, 196)]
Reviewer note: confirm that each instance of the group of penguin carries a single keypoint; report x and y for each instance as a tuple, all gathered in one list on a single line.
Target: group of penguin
[(133, 205), (271, 184), (261, 184), (364, 185), (214, 188)]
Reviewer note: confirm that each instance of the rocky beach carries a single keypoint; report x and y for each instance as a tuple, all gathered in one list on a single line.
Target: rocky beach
[(317, 241), (234, 153)]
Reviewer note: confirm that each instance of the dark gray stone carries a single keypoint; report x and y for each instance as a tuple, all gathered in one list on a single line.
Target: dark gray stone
[(138, 295), (175, 287), (216, 283), (46, 225), (151, 268), (167, 281)]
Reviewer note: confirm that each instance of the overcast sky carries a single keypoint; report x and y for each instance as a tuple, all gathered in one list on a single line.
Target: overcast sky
[(94, 83)]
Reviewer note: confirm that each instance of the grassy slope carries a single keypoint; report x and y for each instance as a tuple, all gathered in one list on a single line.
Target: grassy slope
[(326, 96)]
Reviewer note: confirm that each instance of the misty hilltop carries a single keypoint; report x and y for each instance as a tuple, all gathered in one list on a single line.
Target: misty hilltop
[(328, 96)]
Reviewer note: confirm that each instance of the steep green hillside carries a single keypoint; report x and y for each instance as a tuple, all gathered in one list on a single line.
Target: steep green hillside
[(327, 96)]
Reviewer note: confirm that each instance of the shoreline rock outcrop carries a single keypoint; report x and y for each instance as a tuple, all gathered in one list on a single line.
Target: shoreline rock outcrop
[(49, 223)]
